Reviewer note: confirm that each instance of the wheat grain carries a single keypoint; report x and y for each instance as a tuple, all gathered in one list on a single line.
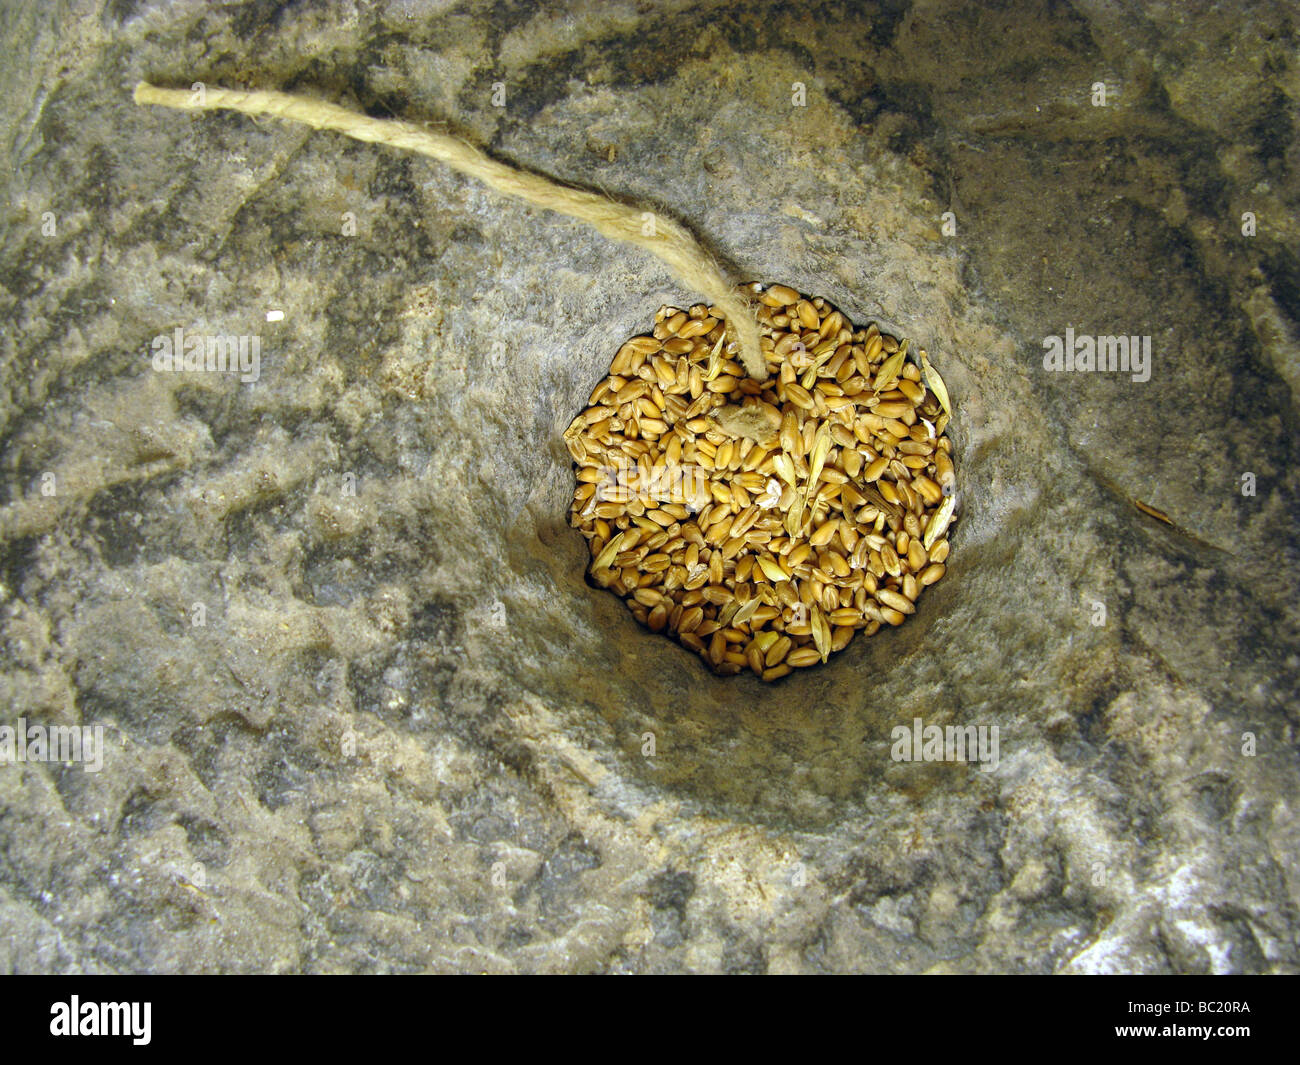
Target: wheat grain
[(763, 523)]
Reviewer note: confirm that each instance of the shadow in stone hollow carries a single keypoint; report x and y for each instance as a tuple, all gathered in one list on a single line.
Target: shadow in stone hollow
[(802, 752)]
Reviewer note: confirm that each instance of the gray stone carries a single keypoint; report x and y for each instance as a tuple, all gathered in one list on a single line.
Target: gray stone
[(406, 735)]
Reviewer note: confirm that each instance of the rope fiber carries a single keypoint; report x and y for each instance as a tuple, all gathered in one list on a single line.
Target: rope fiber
[(662, 237)]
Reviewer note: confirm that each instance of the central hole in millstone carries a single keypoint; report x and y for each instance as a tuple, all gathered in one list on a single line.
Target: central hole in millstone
[(763, 524)]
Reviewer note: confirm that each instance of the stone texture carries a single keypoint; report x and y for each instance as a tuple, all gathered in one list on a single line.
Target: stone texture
[(407, 735)]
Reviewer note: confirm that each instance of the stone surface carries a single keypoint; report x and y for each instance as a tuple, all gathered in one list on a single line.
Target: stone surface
[(406, 735)]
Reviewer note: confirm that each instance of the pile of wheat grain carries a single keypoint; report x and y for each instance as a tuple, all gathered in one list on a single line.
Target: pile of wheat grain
[(763, 523)]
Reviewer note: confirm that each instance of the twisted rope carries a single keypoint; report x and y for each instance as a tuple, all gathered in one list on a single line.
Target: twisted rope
[(662, 237)]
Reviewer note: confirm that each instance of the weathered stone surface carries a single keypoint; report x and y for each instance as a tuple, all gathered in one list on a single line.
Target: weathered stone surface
[(407, 735)]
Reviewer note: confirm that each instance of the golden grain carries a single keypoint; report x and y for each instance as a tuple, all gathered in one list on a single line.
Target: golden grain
[(799, 396), (824, 533), (804, 656), (697, 327), (930, 491), (892, 410), (911, 589), (896, 600), (914, 392), (943, 471), (916, 557), (932, 573), (831, 525), (780, 296), (889, 558), (874, 471), (778, 651)]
